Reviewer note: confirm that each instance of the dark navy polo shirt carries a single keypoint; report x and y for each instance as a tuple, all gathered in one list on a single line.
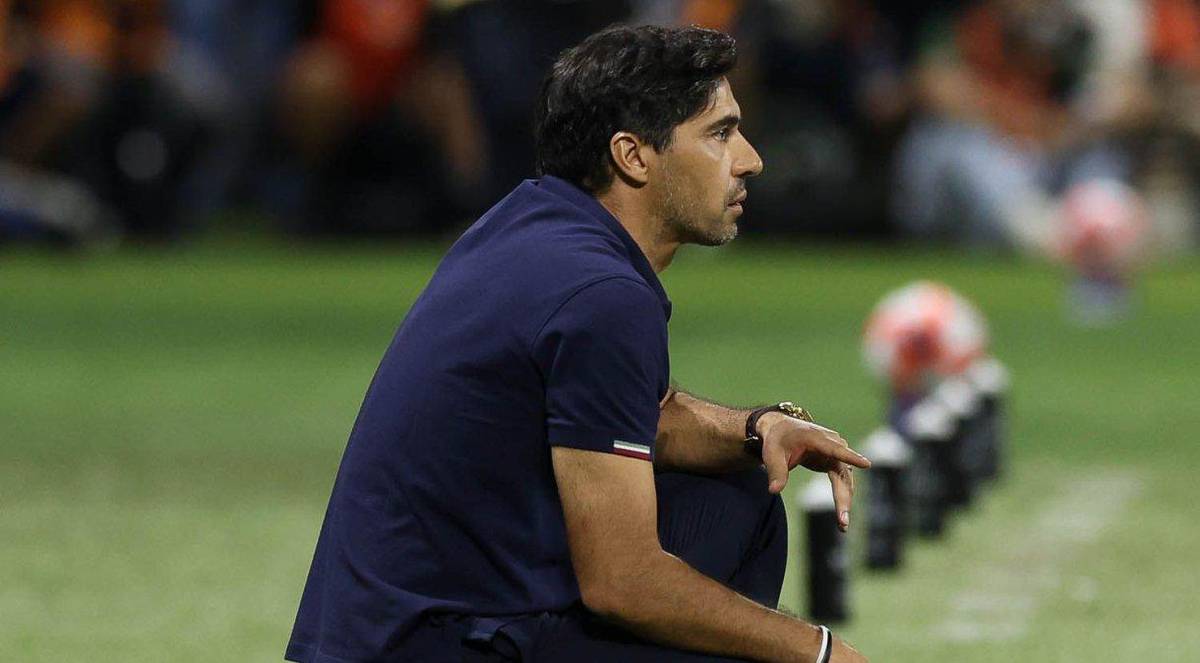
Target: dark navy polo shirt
[(544, 325)]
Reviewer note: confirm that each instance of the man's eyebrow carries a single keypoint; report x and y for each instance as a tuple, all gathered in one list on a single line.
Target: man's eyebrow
[(728, 122)]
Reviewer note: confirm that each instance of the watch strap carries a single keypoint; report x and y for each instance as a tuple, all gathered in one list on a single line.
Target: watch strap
[(753, 441)]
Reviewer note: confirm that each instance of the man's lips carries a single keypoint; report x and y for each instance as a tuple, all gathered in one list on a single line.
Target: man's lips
[(741, 198)]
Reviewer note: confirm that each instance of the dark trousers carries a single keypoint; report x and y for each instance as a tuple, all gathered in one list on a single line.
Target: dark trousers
[(727, 527)]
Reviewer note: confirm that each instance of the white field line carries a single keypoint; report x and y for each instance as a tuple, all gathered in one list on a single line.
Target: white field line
[(1001, 599)]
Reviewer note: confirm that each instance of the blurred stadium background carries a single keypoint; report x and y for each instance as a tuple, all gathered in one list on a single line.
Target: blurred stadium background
[(214, 213)]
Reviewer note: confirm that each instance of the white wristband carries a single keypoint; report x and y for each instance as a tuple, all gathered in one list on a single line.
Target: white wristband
[(826, 645)]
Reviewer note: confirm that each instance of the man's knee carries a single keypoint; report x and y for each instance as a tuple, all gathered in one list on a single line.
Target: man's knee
[(738, 494), (752, 484), (764, 507), (715, 521)]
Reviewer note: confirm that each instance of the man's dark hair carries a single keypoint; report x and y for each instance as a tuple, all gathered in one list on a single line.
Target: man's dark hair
[(645, 80)]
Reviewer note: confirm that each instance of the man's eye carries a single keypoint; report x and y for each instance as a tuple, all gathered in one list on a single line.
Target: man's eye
[(722, 134)]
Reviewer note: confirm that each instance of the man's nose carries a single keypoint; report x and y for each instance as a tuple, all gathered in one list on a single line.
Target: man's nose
[(748, 163)]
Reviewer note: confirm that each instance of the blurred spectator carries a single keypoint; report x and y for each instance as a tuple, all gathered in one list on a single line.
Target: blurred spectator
[(1021, 101), (398, 115), (505, 48), (950, 119), (148, 128), (51, 56), (994, 84), (229, 54), (411, 116), (1171, 153), (95, 101), (834, 99), (345, 155)]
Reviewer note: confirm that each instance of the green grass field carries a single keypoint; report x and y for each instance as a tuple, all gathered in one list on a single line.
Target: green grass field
[(171, 421)]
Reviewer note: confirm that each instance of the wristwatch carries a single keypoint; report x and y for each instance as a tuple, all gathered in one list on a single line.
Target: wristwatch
[(753, 441)]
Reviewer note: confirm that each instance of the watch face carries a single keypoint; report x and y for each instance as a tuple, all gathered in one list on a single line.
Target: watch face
[(793, 410)]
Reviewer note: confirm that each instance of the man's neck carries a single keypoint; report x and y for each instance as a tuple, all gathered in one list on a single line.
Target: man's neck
[(643, 225)]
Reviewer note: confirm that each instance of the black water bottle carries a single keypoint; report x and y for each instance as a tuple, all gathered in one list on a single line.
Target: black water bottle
[(886, 514), (928, 428), (827, 555), (991, 379), (962, 400)]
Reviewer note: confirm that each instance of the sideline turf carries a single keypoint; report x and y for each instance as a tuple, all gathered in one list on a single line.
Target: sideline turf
[(170, 422)]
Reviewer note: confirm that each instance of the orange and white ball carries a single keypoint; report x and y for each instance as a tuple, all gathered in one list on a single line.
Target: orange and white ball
[(921, 333)]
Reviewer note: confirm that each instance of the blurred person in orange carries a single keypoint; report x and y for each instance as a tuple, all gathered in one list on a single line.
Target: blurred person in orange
[(1018, 100), (366, 86)]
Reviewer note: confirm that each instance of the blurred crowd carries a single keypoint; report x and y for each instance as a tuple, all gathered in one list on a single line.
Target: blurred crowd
[(967, 121)]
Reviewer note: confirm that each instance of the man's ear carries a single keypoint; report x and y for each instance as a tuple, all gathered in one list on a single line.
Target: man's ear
[(630, 157)]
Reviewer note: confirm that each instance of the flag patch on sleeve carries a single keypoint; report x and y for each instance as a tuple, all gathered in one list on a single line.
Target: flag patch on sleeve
[(631, 449)]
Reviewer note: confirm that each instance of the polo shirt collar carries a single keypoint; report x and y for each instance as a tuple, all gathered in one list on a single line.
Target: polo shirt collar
[(589, 204)]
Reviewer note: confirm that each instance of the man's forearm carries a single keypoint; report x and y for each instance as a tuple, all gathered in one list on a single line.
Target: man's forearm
[(669, 602), (701, 436)]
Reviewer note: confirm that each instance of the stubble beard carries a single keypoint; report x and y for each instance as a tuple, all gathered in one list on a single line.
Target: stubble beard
[(685, 219)]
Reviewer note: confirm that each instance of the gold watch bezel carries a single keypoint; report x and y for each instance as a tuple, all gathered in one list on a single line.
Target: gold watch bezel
[(795, 411)]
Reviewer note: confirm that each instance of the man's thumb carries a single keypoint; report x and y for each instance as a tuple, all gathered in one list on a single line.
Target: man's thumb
[(777, 468)]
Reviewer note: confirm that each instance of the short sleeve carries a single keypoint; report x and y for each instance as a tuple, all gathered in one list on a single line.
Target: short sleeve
[(604, 358)]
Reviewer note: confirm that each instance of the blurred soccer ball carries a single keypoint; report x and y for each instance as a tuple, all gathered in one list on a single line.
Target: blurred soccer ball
[(1104, 224), (921, 333)]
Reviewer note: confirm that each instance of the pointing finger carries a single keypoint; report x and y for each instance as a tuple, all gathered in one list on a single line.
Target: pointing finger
[(842, 480), (847, 455)]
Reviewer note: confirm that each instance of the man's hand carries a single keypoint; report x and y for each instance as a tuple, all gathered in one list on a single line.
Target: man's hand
[(695, 435), (788, 442)]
